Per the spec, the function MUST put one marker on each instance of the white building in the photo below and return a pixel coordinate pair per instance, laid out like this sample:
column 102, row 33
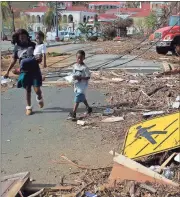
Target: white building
column 70, row 17
column 105, row 5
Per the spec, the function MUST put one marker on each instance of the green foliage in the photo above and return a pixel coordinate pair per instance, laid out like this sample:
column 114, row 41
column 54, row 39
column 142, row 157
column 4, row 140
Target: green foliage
column 108, row 31
column 123, row 23
column 7, row 12
column 85, row 29
column 48, row 19
column 151, row 21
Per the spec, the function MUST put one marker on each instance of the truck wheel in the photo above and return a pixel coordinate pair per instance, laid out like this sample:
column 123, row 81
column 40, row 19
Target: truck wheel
column 162, row 50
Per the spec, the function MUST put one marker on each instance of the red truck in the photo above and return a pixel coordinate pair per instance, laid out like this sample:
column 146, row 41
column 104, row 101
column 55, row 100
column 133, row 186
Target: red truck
column 167, row 38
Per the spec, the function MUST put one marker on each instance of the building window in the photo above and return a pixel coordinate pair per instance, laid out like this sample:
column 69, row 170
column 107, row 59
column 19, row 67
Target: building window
column 84, row 19
column 70, row 19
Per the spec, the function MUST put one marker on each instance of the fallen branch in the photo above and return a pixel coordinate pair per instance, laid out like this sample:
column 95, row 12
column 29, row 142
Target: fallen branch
column 74, row 164
column 147, row 187
column 155, row 90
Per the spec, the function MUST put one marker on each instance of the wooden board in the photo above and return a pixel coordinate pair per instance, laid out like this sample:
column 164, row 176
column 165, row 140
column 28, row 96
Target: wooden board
column 127, row 169
column 12, row 184
column 153, row 136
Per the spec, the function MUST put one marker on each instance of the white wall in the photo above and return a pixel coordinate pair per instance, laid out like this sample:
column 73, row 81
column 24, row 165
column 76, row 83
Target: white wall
column 78, row 16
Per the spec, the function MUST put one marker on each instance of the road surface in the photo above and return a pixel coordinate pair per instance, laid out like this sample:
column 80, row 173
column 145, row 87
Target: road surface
column 32, row 143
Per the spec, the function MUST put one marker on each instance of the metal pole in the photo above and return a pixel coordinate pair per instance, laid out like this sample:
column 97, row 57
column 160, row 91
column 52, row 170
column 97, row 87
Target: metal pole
column 57, row 38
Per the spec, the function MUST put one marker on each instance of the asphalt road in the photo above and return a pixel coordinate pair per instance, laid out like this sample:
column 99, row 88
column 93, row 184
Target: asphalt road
column 31, row 143
column 93, row 61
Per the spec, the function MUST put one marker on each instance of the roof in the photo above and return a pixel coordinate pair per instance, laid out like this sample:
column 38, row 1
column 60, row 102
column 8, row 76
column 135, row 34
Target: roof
column 80, row 8
column 142, row 14
column 123, row 10
column 105, row 17
column 106, row 3
column 38, row 9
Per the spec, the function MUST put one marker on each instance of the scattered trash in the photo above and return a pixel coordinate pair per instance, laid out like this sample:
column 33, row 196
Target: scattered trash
column 177, row 157
column 88, row 194
column 153, row 113
column 178, row 98
column 113, row 119
column 175, row 105
column 154, row 168
column 81, row 122
column 69, row 78
column 168, row 173
column 117, row 79
column 133, row 81
column 5, row 80
column 108, row 111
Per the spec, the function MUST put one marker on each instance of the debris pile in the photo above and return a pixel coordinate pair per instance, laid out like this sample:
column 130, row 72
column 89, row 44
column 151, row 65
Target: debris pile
column 132, row 47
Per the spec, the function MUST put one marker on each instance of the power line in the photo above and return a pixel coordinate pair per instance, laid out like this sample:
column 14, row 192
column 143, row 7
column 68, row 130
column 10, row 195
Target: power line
column 137, row 46
column 143, row 51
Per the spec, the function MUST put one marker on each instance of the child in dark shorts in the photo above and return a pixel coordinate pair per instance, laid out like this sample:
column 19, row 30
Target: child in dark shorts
column 30, row 73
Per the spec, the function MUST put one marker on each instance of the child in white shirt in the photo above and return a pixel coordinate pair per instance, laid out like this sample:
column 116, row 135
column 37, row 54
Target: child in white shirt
column 81, row 74
column 40, row 49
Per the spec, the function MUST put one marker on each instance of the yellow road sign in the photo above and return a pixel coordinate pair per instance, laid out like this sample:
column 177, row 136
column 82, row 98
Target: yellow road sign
column 153, row 136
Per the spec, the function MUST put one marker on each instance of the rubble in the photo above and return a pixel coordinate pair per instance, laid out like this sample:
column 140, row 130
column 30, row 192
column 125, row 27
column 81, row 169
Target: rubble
column 113, row 119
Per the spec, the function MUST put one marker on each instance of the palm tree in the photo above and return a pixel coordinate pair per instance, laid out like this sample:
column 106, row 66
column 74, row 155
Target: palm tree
column 85, row 29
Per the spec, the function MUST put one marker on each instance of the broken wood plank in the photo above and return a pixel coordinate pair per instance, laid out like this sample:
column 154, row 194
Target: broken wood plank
column 60, row 187
column 133, row 165
column 148, row 187
column 166, row 162
column 12, row 184
column 74, row 164
column 112, row 119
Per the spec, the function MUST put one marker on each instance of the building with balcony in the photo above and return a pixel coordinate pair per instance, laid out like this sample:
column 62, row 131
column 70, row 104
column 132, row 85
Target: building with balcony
column 69, row 16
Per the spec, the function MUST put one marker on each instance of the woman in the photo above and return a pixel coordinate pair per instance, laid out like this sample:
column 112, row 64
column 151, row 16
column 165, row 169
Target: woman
column 30, row 74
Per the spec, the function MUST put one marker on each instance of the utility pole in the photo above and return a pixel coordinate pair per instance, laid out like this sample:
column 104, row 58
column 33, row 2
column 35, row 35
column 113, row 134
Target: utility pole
column 57, row 38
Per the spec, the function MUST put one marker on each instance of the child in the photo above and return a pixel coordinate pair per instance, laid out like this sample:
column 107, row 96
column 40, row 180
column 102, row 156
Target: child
column 81, row 74
column 40, row 49
column 30, row 73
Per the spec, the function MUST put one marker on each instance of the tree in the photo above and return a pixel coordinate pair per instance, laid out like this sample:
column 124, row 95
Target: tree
column 132, row 4
column 7, row 11
column 49, row 19
column 122, row 25
column 108, row 30
column 139, row 24
column 151, row 21
column 86, row 29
